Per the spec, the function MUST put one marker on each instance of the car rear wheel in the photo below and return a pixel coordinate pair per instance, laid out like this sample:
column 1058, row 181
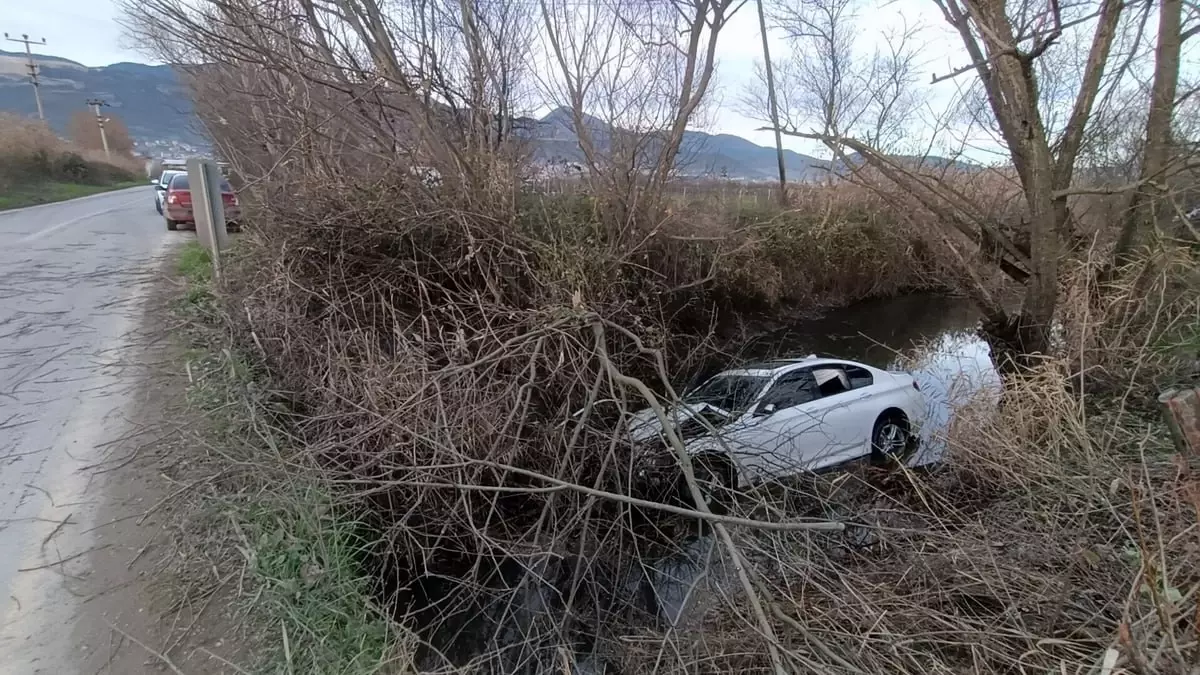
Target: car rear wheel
column 172, row 225
column 891, row 439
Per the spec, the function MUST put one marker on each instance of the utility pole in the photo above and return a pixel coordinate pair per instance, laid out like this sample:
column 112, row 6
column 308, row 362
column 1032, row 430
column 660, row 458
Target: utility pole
column 100, row 120
column 33, row 68
column 762, row 25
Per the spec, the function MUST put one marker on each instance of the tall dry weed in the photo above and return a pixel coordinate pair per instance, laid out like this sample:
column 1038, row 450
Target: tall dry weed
column 21, row 137
column 1134, row 331
column 1060, row 532
column 30, row 152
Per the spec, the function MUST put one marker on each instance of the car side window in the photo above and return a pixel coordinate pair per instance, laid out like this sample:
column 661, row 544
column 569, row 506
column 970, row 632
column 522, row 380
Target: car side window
column 858, row 377
column 790, row 390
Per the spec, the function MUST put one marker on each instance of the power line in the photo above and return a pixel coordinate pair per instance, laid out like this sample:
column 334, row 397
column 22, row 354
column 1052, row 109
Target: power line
column 33, row 68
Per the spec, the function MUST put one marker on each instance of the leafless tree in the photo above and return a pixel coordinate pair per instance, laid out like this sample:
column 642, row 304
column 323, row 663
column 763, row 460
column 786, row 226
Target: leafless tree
column 1157, row 151
column 436, row 82
column 633, row 76
column 768, row 70
column 1040, row 115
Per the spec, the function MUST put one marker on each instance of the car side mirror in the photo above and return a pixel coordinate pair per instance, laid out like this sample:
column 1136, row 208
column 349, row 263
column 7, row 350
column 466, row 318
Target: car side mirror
column 765, row 410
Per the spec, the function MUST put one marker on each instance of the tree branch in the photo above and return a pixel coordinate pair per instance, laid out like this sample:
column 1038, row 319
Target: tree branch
column 983, row 63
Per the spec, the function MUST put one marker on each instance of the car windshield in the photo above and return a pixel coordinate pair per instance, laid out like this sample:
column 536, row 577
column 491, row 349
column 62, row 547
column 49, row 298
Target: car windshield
column 729, row 392
column 180, row 182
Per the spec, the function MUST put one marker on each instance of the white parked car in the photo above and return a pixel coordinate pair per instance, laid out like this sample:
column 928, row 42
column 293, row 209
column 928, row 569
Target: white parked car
column 780, row 418
column 160, row 188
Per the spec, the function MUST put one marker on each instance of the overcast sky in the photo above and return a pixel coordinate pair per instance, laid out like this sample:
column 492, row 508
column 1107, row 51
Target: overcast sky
column 86, row 31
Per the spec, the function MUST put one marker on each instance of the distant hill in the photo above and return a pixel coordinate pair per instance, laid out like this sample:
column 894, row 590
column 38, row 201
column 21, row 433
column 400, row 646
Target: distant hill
column 931, row 164
column 701, row 153
column 148, row 99
column 156, row 108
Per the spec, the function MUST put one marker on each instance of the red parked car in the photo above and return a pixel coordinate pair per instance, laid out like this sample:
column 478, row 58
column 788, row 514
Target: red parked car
column 177, row 204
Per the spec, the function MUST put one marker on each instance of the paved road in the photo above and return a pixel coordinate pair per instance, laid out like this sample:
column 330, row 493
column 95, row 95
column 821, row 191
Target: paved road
column 72, row 278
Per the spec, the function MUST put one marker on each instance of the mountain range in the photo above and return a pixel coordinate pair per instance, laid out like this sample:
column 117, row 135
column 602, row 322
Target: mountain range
column 155, row 107
column 148, row 99
column 700, row 154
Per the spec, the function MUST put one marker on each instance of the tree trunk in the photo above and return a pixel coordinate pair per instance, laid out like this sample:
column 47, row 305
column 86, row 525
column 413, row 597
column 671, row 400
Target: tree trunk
column 1157, row 151
column 771, row 101
column 1025, row 136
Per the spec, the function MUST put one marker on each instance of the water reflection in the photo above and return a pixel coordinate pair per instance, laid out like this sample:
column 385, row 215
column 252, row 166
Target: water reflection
column 952, row 370
column 875, row 332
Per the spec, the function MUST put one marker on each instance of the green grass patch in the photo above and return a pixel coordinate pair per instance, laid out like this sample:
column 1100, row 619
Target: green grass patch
column 307, row 597
column 195, row 264
column 306, row 557
column 196, row 268
column 46, row 193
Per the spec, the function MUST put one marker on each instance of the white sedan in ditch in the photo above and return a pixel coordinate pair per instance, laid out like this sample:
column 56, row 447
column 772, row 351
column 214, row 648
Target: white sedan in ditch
column 781, row 418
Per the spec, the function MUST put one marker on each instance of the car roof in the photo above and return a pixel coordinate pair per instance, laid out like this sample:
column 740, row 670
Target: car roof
column 779, row 366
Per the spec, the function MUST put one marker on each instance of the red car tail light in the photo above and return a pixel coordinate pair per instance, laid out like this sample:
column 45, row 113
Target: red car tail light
column 229, row 199
column 179, row 197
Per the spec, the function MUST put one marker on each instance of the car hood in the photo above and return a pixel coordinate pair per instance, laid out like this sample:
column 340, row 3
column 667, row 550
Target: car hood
column 644, row 425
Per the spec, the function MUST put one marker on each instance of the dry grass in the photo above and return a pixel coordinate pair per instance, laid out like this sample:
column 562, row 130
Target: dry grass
column 1059, row 534
column 433, row 357
column 32, row 155
column 1133, row 336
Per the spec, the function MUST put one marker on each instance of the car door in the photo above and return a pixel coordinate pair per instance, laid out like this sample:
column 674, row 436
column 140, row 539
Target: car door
column 765, row 441
column 844, row 407
column 820, row 427
column 160, row 188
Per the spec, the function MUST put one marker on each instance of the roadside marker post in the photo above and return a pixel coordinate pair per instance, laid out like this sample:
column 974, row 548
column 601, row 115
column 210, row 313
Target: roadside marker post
column 205, row 178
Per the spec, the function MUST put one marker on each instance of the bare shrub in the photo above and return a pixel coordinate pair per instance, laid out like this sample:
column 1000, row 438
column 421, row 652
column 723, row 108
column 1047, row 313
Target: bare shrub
column 31, row 152
column 1055, row 535
column 459, row 354
column 25, row 137
column 436, row 372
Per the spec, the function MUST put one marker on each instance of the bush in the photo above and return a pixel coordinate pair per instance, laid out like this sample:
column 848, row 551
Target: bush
column 437, row 343
column 30, row 154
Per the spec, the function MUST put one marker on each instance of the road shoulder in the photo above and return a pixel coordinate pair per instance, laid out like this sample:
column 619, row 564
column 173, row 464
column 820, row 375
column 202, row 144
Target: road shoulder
column 142, row 610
